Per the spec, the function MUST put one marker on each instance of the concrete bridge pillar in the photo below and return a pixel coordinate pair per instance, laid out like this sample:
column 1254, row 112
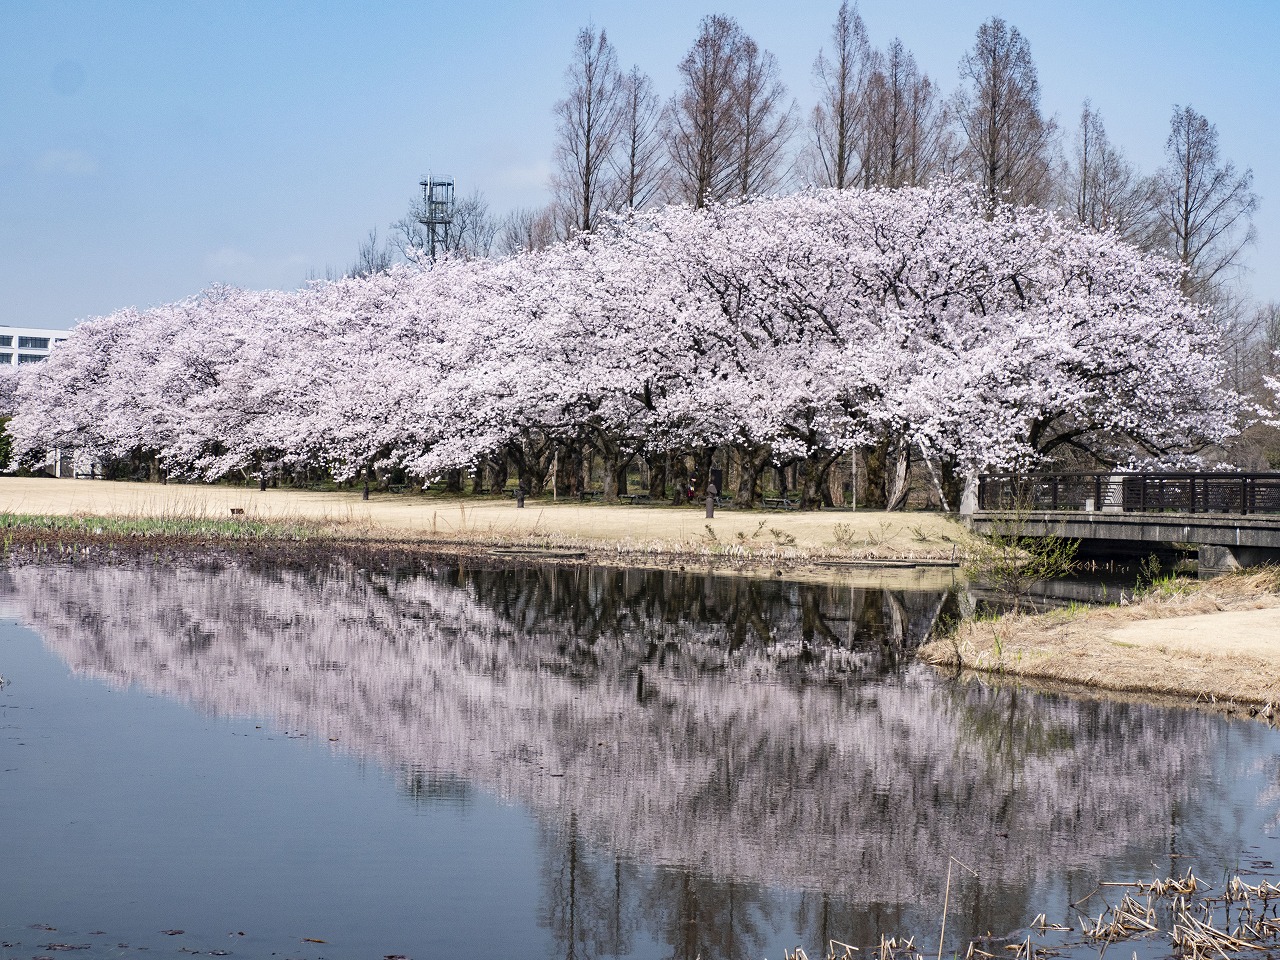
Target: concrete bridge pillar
column 1213, row 560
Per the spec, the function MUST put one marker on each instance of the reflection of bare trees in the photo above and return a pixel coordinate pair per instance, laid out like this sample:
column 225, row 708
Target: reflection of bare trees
column 737, row 734
column 588, row 901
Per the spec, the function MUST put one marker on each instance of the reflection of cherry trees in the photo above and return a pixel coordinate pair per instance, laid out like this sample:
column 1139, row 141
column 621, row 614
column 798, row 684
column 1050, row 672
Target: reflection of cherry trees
column 668, row 719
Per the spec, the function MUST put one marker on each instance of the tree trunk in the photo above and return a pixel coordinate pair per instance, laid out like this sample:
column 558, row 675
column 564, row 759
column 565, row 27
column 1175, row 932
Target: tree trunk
column 899, row 478
column 496, row 468
column 611, row 466
column 813, row 472
column 873, row 475
column 657, row 476
column 702, row 472
column 780, row 478
column 680, row 477
column 751, row 464
column 570, row 470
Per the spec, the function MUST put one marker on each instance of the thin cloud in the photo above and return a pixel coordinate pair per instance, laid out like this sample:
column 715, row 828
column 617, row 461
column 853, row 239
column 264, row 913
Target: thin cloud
column 74, row 163
column 229, row 259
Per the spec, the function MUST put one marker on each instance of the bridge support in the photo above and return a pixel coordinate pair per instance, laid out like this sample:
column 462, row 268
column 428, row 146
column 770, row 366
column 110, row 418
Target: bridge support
column 1213, row 560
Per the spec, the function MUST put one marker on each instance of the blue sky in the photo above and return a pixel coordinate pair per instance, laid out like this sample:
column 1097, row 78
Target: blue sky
column 148, row 149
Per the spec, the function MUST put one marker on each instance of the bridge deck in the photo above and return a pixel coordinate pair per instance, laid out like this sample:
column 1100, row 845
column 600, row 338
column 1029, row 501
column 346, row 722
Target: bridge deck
column 1156, row 528
column 1233, row 519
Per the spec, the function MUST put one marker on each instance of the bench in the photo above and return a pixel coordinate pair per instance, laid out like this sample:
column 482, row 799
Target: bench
column 781, row 503
column 634, row 498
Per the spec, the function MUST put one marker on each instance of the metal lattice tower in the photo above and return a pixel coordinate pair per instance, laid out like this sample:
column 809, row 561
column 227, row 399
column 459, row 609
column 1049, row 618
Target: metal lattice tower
column 437, row 212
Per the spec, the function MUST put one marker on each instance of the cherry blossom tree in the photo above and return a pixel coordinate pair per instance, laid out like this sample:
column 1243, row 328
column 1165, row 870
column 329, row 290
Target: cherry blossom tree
column 918, row 323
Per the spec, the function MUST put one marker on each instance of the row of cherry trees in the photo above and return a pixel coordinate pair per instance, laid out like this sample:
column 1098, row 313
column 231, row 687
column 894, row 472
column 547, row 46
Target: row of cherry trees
column 908, row 325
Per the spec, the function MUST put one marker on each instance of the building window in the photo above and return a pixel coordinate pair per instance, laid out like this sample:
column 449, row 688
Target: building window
column 6, row 358
column 6, row 341
column 58, row 340
column 33, row 343
column 30, row 357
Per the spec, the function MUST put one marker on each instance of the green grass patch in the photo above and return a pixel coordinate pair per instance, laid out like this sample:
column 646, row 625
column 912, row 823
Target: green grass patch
column 232, row 528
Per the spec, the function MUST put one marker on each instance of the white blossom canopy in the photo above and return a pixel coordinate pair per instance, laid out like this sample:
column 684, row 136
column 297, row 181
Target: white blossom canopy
column 797, row 325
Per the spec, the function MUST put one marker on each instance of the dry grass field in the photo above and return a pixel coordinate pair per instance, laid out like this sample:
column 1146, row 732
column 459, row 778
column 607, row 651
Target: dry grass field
column 624, row 528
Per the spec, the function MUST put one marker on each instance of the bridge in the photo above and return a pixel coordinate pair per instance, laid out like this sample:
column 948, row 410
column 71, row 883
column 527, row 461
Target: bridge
column 1231, row 520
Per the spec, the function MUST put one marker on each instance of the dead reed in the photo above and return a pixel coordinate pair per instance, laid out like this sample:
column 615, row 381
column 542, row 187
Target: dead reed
column 1241, row 919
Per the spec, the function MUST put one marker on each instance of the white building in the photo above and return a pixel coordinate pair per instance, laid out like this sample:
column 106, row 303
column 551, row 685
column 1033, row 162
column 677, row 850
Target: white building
column 20, row 345
column 28, row 344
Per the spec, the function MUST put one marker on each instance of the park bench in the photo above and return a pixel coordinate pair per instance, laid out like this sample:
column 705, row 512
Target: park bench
column 634, row 498
column 781, row 503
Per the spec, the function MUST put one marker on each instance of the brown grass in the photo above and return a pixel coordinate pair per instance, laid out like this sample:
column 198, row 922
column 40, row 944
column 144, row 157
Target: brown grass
column 622, row 532
column 1211, row 640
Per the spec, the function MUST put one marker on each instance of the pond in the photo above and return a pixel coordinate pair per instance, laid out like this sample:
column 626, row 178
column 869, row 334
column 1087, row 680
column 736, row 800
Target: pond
column 439, row 759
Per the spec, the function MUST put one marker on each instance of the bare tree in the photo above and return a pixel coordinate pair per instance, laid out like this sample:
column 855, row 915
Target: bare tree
column 765, row 122
column 702, row 127
column 727, row 128
column 1102, row 189
column 371, row 257
column 1009, row 143
column 905, row 121
column 526, row 230
column 588, row 123
column 835, row 122
column 474, row 227
column 1250, row 345
column 639, row 160
column 1207, row 205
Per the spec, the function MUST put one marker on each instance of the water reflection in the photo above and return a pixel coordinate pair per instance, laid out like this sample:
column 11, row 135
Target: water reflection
column 712, row 758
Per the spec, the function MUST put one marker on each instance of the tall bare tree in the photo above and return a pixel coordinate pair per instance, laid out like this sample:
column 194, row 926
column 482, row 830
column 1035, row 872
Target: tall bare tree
column 702, row 120
column 639, row 162
column 905, row 121
column 1207, row 205
column 1008, row 143
column 765, row 121
column 729, row 124
column 1105, row 191
column 836, row 121
column 588, row 123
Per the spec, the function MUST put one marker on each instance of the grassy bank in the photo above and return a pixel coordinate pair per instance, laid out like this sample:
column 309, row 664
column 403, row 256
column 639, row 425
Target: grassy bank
column 1215, row 640
column 41, row 510
column 32, row 527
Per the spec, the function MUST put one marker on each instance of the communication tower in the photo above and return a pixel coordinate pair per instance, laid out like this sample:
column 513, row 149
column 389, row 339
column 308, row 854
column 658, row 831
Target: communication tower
column 437, row 212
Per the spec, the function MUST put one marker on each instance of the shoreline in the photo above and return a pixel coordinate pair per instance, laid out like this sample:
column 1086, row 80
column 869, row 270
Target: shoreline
column 1214, row 642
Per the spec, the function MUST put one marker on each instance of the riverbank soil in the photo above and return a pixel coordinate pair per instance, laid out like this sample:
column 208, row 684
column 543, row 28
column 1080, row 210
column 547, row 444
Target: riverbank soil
column 1212, row 640
column 618, row 528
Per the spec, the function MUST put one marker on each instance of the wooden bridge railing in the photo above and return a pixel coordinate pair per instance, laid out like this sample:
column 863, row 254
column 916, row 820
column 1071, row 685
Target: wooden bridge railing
column 1229, row 493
